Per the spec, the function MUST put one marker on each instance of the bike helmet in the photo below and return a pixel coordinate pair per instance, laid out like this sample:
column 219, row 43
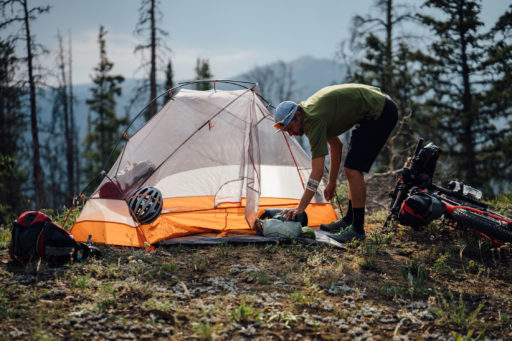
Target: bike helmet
column 145, row 205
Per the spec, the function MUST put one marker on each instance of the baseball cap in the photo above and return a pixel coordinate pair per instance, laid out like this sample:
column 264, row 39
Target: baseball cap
column 285, row 112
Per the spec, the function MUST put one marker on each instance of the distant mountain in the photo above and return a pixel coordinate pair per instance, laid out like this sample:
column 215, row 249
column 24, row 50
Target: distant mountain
column 309, row 75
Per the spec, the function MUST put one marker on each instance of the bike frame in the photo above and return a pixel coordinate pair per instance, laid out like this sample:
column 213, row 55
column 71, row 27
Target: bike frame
column 449, row 198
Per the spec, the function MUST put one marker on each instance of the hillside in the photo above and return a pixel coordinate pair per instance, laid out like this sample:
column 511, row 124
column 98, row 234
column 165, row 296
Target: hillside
column 400, row 284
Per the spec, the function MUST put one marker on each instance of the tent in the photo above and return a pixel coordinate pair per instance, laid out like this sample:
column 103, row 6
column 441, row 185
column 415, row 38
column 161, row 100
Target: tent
column 217, row 160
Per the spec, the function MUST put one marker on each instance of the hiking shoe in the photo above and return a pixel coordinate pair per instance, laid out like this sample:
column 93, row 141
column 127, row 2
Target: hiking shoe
column 334, row 227
column 347, row 235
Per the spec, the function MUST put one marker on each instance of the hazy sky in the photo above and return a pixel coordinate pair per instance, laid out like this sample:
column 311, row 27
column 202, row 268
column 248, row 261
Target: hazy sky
column 235, row 35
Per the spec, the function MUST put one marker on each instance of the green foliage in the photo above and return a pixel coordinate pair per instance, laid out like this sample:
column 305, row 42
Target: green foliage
column 5, row 237
column 384, row 58
column 163, row 270
column 204, row 331
column 502, row 204
column 460, row 119
column 441, row 268
column 81, row 282
column 388, row 290
column 104, row 126
column 199, row 263
column 469, row 336
column 224, row 249
column 12, row 124
column 474, row 267
column 65, row 217
column 4, row 307
column 455, row 312
column 261, row 276
column 169, row 81
column 245, row 313
column 165, row 306
column 416, row 276
column 269, row 249
column 369, row 252
column 203, row 73
column 109, row 301
column 309, row 296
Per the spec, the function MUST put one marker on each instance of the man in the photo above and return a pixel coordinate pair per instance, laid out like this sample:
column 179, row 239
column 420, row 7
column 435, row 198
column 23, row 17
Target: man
column 323, row 117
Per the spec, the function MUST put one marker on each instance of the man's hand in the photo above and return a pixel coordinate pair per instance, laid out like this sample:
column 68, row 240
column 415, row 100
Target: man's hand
column 291, row 213
column 329, row 191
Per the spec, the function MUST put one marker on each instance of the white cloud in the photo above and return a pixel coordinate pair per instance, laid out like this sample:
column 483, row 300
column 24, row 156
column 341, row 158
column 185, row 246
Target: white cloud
column 224, row 63
column 119, row 50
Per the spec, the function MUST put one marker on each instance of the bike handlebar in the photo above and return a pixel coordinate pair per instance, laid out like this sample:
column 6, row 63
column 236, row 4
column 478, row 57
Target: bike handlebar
column 458, row 196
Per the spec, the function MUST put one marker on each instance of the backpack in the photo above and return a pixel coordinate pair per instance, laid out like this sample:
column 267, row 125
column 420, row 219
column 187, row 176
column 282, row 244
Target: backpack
column 35, row 236
column 419, row 209
column 425, row 161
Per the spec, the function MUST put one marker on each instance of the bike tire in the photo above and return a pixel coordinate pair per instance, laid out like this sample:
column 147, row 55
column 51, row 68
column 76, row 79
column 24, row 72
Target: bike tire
column 487, row 225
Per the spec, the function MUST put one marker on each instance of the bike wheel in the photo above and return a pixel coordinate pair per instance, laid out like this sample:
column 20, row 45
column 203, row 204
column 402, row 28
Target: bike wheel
column 490, row 227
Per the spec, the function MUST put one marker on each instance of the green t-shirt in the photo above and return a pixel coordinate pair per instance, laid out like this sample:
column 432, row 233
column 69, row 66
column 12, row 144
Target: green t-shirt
column 337, row 108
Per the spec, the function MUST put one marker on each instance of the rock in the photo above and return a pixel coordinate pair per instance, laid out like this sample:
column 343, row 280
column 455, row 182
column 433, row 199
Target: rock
column 327, row 306
column 433, row 336
column 355, row 332
column 387, row 318
column 343, row 327
column 248, row 331
column 340, row 288
column 426, row 315
column 223, row 283
column 417, row 305
column 400, row 338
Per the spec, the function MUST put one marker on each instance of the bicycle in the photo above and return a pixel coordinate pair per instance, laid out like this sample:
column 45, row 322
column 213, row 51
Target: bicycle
column 416, row 200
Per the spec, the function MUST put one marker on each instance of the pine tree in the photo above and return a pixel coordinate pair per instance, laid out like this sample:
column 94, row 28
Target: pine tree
column 67, row 122
column 451, row 74
column 203, row 73
column 497, row 103
column 388, row 63
column 169, row 80
column 22, row 14
column 76, row 149
column 149, row 17
column 12, row 124
column 104, row 126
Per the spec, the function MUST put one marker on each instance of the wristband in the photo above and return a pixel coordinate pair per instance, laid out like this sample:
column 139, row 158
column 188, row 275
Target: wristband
column 312, row 185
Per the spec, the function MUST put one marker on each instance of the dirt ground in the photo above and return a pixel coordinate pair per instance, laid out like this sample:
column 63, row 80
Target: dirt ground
column 400, row 284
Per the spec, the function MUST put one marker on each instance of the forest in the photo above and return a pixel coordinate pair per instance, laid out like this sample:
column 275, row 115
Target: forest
column 441, row 281
column 452, row 88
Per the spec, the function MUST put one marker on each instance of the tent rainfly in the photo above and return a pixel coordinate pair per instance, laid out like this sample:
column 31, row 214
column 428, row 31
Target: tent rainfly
column 217, row 160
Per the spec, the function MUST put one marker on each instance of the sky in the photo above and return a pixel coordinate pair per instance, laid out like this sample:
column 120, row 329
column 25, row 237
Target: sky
column 234, row 35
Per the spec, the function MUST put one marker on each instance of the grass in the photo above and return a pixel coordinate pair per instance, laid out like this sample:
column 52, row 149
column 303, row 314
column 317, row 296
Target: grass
column 455, row 312
column 441, row 268
column 309, row 296
column 416, row 276
column 245, row 313
column 280, row 291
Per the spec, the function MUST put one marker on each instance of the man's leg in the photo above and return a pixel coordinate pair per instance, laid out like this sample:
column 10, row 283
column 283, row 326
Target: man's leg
column 357, row 188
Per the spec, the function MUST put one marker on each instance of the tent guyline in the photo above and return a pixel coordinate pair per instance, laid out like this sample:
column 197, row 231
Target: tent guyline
column 213, row 160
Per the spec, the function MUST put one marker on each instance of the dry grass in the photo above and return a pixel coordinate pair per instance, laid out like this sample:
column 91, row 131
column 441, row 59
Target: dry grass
column 429, row 284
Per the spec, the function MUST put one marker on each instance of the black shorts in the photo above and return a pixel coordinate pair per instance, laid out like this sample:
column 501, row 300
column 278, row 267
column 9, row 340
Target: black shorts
column 368, row 138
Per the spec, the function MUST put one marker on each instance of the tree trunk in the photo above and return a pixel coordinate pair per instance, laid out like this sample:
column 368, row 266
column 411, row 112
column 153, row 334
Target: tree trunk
column 74, row 139
column 68, row 127
column 467, row 122
column 152, row 74
column 388, row 67
column 36, row 162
